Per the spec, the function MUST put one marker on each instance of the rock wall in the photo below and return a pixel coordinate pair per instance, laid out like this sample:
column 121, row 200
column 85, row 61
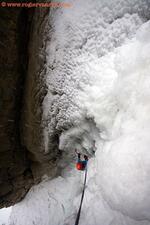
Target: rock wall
column 24, row 34
column 33, row 123
column 15, row 173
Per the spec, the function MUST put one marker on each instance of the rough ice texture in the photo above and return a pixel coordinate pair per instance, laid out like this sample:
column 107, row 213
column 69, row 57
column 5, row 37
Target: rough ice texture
column 97, row 74
column 80, row 36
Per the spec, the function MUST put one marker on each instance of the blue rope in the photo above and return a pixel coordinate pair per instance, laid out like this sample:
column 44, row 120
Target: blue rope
column 79, row 211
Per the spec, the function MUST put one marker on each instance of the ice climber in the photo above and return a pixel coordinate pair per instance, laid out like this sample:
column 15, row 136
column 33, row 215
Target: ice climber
column 81, row 164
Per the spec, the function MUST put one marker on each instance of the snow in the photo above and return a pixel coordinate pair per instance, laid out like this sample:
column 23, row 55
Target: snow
column 4, row 215
column 98, row 98
column 125, row 160
column 45, row 198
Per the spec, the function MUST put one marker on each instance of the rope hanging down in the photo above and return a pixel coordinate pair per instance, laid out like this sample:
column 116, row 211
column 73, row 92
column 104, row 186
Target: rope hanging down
column 79, row 211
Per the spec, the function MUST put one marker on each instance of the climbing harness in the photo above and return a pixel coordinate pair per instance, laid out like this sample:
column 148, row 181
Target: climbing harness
column 79, row 211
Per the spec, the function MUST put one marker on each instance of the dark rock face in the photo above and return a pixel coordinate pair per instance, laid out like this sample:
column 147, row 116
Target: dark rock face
column 24, row 34
column 33, row 123
column 15, row 173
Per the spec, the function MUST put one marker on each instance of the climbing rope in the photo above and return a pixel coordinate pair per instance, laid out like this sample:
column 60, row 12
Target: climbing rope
column 79, row 211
